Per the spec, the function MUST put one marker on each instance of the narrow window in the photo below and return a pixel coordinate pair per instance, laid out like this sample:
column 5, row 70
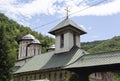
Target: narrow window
column 26, row 78
column 38, row 51
column 34, row 51
column 35, row 76
column 74, row 39
column 21, row 52
column 95, row 74
column 22, row 78
column 49, row 76
column 39, row 76
column 60, row 74
column 31, row 77
column 62, row 40
column 55, row 75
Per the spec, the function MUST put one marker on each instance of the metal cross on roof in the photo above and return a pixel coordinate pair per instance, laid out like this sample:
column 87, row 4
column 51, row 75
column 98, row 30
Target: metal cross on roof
column 67, row 11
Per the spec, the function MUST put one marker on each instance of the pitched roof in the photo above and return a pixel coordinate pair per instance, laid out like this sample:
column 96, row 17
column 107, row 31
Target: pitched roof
column 75, row 58
column 96, row 60
column 52, row 60
column 64, row 23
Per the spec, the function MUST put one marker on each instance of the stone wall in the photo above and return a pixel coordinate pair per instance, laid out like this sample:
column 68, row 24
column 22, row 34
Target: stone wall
column 59, row 75
column 102, row 76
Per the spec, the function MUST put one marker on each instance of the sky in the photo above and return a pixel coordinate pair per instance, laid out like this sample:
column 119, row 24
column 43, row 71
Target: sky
column 99, row 18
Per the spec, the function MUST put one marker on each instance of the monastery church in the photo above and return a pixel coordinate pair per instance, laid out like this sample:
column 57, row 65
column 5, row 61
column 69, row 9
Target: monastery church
column 50, row 66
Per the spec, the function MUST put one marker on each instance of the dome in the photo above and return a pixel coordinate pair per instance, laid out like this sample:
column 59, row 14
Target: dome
column 52, row 47
column 36, row 41
column 28, row 36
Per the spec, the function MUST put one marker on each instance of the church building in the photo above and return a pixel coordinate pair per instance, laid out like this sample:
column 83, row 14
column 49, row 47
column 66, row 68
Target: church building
column 50, row 65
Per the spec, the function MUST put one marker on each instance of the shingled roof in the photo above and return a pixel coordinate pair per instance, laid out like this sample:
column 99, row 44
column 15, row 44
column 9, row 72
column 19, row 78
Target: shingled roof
column 52, row 60
column 75, row 58
column 67, row 22
column 106, row 58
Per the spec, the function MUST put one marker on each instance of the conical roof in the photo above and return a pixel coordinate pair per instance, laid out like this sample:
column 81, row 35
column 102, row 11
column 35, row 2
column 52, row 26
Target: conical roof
column 64, row 23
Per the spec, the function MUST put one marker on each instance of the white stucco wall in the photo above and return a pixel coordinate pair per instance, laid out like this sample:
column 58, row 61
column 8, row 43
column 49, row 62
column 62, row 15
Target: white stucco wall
column 31, row 49
column 68, row 42
column 22, row 49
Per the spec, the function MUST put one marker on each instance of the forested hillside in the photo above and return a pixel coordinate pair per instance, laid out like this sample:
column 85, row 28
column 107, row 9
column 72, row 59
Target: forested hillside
column 112, row 44
column 15, row 32
column 10, row 33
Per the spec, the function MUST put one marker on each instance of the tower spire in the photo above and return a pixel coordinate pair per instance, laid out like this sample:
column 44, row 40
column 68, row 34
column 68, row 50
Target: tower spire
column 67, row 12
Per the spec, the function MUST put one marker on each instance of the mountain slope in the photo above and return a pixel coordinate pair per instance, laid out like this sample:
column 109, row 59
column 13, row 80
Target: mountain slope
column 16, row 31
column 108, row 45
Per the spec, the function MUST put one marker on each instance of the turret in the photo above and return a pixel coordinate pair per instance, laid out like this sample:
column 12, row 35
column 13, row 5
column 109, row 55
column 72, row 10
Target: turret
column 67, row 34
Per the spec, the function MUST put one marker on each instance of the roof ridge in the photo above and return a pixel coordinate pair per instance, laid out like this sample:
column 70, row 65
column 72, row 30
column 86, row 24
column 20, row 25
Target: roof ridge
column 64, row 23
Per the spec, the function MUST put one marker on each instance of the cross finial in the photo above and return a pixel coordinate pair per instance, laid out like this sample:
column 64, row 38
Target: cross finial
column 67, row 11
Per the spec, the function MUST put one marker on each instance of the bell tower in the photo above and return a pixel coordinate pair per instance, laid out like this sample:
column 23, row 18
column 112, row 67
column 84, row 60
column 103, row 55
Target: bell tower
column 29, row 46
column 67, row 34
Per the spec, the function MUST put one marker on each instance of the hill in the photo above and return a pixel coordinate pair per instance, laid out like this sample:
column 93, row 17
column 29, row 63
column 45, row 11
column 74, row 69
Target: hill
column 16, row 31
column 112, row 44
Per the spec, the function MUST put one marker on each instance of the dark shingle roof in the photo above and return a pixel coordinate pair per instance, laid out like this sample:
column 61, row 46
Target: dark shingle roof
column 64, row 23
column 75, row 58
column 52, row 60
column 97, row 60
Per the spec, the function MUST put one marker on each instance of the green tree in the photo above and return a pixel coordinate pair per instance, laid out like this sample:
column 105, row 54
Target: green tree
column 5, row 63
column 72, row 77
column 117, row 76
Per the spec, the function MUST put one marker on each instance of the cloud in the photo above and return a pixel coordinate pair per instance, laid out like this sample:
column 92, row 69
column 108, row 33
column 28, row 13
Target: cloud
column 23, row 11
column 109, row 8
column 89, row 28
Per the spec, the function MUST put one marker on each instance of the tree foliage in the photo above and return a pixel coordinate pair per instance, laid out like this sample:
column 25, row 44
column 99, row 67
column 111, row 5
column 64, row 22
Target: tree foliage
column 72, row 77
column 16, row 31
column 107, row 45
column 10, row 33
column 5, row 55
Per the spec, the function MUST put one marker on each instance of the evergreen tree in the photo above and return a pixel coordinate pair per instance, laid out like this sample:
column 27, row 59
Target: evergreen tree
column 5, row 63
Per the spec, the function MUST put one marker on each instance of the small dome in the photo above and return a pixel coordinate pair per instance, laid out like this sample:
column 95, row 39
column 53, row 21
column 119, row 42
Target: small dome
column 36, row 41
column 52, row 47
column 28, row 36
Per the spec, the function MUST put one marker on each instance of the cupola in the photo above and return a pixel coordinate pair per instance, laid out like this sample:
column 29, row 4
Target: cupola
column 67, row 34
